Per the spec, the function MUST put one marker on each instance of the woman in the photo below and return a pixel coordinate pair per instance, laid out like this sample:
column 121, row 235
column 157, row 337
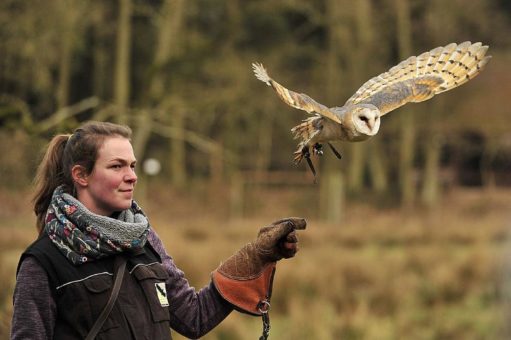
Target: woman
column 99, row 270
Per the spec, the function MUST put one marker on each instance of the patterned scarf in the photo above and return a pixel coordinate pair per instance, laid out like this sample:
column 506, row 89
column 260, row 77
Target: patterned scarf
column 83, row 236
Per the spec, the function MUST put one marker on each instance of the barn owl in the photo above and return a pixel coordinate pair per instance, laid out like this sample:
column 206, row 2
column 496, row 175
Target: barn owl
column 415, row 79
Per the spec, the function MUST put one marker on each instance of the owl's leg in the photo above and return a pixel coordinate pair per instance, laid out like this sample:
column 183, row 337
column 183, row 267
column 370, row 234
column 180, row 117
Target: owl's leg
column 336, row 153
column 311, row 166
column 301, row 153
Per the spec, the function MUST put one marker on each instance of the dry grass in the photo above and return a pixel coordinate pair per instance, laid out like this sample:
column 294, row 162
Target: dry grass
column 381, row 274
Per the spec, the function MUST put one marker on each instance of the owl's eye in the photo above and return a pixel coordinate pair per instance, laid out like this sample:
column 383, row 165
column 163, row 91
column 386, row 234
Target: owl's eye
column 364, row 119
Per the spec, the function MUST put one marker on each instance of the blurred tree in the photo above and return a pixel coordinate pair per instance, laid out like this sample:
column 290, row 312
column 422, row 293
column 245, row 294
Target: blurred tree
column 122, row 63
column 69, row 18
column 28, row 56
column 438, row 25
column 362, row 67
column 169, row 30
column 358, row 60
column 407, row 138
column 332, row 188
column 72, row 22
column 186, row 66
column 102, row 32
column 446, row 22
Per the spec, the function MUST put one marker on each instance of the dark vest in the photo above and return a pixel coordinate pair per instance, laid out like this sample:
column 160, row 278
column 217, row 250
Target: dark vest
column 81, row 292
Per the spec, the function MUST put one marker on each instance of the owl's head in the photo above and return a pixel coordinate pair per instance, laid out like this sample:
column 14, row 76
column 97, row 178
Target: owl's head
column 365, row 120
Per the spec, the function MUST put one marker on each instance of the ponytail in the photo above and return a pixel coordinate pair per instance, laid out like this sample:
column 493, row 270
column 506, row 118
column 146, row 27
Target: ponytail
column 50, row 174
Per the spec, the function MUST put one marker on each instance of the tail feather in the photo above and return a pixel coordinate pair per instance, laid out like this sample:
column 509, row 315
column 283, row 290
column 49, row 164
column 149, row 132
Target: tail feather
column 307, row 130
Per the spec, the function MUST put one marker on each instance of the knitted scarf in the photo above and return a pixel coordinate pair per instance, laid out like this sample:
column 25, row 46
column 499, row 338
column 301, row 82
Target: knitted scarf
column 83, row 236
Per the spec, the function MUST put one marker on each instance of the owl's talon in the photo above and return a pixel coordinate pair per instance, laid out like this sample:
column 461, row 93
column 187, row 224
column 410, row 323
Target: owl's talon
column 317, row 149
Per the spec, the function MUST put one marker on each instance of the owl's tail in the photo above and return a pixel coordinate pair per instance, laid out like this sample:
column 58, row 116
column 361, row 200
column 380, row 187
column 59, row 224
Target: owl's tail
column 455, row 64
column 308, row 129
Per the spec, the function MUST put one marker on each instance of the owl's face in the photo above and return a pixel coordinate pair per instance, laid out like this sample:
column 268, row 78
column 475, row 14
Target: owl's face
column 365, row 120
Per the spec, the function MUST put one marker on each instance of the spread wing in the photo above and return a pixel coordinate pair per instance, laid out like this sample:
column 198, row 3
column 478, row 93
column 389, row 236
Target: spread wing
column 297, row 100
column 417, row 79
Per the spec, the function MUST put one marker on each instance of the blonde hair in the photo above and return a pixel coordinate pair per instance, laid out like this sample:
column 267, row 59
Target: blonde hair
column 63, row 152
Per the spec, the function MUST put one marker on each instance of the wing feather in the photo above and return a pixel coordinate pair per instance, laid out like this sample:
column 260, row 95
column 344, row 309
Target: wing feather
column 299, row 101
column 420, row 78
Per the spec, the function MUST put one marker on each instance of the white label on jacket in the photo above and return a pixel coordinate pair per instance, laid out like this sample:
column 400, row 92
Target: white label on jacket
column 161, row 292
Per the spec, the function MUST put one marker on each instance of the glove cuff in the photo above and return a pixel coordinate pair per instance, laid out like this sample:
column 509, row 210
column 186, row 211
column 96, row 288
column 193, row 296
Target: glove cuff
column 247, row 295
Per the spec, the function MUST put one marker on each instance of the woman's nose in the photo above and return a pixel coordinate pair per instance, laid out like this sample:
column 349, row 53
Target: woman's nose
column 130, row 176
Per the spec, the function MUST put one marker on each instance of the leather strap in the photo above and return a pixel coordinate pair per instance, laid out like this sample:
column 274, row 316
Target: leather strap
column 120, row 264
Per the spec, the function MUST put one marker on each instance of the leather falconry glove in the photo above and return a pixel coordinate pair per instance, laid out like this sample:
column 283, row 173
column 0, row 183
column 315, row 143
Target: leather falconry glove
column 245, row 279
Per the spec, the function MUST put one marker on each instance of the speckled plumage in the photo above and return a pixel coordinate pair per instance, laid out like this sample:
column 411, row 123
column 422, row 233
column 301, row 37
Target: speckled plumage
column 415, row 79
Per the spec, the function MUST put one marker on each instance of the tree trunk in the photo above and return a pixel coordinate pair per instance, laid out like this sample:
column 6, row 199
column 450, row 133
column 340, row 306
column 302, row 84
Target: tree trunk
column 236, row 196
column 177, row 155
column 142, row 132
column 332, row 190
column 101, row 77
column 359, row 58
column 170, row 27
column 68, row 20
column 65, row 66
column 487, row 158
column 101, row 71
column 377, row 167
column 265, row 142
column 356, row 167
column 122, row 64
column 407, row 145
column 430, row 184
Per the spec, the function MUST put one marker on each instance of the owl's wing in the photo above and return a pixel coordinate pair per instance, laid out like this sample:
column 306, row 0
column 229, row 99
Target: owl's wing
column 297, row 100
column 417, row 79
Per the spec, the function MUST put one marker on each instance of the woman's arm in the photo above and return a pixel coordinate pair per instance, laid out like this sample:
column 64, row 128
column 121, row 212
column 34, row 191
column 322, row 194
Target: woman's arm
column 34, row 307
column 192, row 313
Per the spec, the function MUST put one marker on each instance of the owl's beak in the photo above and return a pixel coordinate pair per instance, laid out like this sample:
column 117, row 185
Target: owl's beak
column 372, row 125
column 369, row 122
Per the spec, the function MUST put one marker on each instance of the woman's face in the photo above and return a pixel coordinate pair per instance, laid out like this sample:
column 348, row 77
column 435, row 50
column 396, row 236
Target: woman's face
column 109, row 187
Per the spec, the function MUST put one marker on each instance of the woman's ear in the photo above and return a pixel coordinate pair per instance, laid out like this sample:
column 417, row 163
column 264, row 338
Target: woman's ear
column 80, row 176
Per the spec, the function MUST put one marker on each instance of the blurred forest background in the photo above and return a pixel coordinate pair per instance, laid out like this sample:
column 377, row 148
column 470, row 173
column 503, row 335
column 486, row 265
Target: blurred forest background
column 408, row 234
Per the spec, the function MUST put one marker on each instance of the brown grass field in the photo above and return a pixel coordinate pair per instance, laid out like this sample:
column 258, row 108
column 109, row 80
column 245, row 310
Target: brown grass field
column 383, row 273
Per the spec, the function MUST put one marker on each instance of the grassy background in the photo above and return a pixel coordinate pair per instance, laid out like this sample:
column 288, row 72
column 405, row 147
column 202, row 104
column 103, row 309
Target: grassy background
column 383, row 273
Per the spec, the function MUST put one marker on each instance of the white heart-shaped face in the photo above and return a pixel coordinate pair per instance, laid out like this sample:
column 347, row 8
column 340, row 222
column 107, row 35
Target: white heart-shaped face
column 366, row 120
